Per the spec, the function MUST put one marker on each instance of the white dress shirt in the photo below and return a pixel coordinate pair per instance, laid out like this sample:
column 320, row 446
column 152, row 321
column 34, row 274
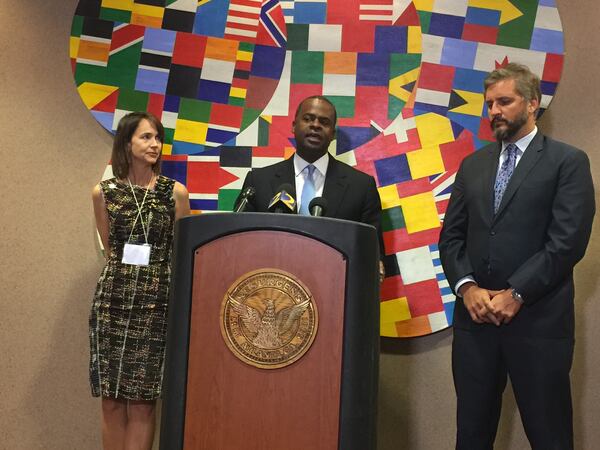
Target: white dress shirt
column 320, row 164
column 521, row 144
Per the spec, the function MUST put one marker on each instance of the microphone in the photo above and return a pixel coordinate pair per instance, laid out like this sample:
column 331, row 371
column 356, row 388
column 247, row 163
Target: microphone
column 317, row 206
column 245, row 196
column 283, row 202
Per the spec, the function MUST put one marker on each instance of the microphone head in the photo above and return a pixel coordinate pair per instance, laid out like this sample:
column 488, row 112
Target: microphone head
column 283, row 202
column 317, row 206
column 248, row 192
column 242, row 201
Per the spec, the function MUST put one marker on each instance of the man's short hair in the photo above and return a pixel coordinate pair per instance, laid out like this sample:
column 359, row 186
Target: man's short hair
column 527, row 83
column 318, row 97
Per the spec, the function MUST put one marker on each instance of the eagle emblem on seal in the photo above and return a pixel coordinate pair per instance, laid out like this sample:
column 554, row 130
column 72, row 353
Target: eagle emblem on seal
column 269, row 325
column 268, row 318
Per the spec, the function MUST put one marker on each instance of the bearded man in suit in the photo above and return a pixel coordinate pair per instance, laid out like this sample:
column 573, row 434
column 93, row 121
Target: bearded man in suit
column 519, row 219
column 350, row 194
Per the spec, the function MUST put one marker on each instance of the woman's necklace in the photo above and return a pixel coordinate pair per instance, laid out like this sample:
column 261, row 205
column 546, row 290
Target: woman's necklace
column 133, row 180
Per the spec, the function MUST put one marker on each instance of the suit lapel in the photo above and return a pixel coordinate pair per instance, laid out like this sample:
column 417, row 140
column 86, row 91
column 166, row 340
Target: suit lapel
column 335, row 187
column 285, row 174
column 488, row 178
column 527, row 162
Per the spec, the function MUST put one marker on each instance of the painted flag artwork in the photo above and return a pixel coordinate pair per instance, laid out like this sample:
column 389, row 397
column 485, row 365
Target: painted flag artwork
column 406, row 77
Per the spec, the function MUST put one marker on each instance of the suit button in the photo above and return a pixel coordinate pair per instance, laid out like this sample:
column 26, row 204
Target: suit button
column 492, row 233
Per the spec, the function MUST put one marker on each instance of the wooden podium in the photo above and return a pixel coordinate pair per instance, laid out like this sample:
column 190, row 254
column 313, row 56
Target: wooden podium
column 327, row 398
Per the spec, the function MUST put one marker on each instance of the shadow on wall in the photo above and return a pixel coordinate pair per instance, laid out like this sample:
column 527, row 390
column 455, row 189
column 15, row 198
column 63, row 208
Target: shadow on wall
column 415, row 387
column 410, row 394
column 59, row 397
column 587, row 273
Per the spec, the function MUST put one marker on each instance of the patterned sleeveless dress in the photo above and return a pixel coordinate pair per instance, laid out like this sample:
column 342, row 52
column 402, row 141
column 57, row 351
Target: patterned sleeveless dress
column 128, row 321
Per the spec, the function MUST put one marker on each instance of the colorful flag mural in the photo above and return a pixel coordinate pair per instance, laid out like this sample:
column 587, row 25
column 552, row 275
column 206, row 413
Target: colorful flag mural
column 406, row 77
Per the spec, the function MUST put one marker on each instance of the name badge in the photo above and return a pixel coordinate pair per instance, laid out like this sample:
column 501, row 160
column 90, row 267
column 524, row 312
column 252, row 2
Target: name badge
column 136, row 254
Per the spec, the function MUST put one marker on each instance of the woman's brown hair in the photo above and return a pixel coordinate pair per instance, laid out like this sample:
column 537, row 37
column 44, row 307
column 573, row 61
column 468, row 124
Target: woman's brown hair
column 121, row 153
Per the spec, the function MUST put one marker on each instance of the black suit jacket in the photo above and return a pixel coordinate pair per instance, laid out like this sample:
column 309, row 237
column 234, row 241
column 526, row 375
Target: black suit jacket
column 350, row 194
column 540, row 232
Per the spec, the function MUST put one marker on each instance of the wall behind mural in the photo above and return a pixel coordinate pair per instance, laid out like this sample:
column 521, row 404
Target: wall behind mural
column 406, row 77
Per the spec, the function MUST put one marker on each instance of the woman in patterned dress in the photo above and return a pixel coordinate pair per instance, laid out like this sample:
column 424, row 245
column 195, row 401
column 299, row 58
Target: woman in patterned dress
column 135, row 211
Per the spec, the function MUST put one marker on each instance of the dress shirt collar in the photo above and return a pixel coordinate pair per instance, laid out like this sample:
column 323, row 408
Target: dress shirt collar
column 522, row 143
column 320, row 164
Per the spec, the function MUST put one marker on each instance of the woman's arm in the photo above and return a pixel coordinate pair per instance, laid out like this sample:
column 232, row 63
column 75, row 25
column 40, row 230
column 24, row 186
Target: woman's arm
column 101, row 214
column 182, row 200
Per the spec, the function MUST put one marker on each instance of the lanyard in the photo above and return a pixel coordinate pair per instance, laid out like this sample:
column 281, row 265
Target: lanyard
column 139, row 214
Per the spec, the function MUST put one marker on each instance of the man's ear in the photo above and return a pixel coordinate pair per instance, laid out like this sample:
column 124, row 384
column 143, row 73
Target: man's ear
column 533, row 106
column 294, row 126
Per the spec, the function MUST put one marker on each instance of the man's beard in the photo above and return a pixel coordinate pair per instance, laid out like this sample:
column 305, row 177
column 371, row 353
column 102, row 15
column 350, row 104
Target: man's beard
column 511, row 128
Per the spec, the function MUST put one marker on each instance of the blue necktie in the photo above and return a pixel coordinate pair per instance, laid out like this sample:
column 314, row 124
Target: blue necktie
column 506, row 171
column 308, row 191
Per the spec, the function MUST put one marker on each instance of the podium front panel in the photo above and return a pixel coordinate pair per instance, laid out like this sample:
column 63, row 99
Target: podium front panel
column 234, row 405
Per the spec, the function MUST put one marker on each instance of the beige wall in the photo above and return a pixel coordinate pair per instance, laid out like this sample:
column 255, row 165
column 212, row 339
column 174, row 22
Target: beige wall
column 53, row 152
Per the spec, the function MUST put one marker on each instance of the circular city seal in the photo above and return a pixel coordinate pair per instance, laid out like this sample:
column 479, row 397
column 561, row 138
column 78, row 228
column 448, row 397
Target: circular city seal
column 268, row 318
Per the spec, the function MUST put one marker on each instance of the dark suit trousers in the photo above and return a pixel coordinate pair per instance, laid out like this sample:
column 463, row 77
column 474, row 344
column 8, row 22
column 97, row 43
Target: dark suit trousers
column 539, row 373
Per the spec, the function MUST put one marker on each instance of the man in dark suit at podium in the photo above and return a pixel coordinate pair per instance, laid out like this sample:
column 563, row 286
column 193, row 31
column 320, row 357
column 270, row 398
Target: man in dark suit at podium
column 518, row 221
column 313, row 172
